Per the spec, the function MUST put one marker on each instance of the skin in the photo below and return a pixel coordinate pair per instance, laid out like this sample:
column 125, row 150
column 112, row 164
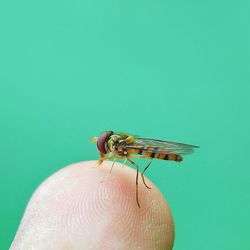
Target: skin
column 73, row 209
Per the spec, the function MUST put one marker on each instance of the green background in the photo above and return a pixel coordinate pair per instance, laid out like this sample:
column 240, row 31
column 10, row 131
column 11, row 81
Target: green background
column 173, row 70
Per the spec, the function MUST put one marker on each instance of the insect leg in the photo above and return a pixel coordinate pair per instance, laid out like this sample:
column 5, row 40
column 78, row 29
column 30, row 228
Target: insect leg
column 124, row 162
column 106, row 176
column 142, row 176
column 104, row 157
column 100, row 160
column 112, row 166
column 137, row 172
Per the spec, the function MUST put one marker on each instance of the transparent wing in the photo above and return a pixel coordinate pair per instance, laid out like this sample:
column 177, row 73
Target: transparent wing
column 164, row 147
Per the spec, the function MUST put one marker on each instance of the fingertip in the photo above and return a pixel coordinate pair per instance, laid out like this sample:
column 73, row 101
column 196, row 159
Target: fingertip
column 85, row 212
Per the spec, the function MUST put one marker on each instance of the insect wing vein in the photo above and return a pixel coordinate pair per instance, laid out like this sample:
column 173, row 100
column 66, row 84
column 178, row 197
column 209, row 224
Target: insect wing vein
column 164, row 147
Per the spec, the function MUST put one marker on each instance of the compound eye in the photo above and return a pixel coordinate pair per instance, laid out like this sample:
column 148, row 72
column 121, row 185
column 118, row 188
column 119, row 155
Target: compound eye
column 101, row 142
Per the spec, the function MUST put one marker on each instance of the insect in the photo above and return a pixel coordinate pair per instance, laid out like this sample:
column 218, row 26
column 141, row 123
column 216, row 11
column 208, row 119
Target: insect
column 113, row 146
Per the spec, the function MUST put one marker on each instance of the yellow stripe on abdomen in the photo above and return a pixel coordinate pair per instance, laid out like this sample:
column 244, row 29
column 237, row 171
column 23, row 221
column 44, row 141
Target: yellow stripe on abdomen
column 160, row 156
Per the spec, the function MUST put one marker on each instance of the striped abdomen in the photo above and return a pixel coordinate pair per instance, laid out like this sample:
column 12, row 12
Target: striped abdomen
column 156, row 155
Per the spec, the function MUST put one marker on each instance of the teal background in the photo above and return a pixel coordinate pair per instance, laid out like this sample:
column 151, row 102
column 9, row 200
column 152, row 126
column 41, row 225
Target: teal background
column 173, row 70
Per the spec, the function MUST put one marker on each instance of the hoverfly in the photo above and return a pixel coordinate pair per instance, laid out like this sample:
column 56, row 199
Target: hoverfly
column 113, row 146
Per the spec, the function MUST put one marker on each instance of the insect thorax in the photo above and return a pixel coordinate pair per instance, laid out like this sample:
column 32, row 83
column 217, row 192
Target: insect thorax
column 117, row 144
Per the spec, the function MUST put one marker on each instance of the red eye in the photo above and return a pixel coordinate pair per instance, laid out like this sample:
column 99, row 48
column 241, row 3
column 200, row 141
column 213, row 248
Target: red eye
column 102, row 141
